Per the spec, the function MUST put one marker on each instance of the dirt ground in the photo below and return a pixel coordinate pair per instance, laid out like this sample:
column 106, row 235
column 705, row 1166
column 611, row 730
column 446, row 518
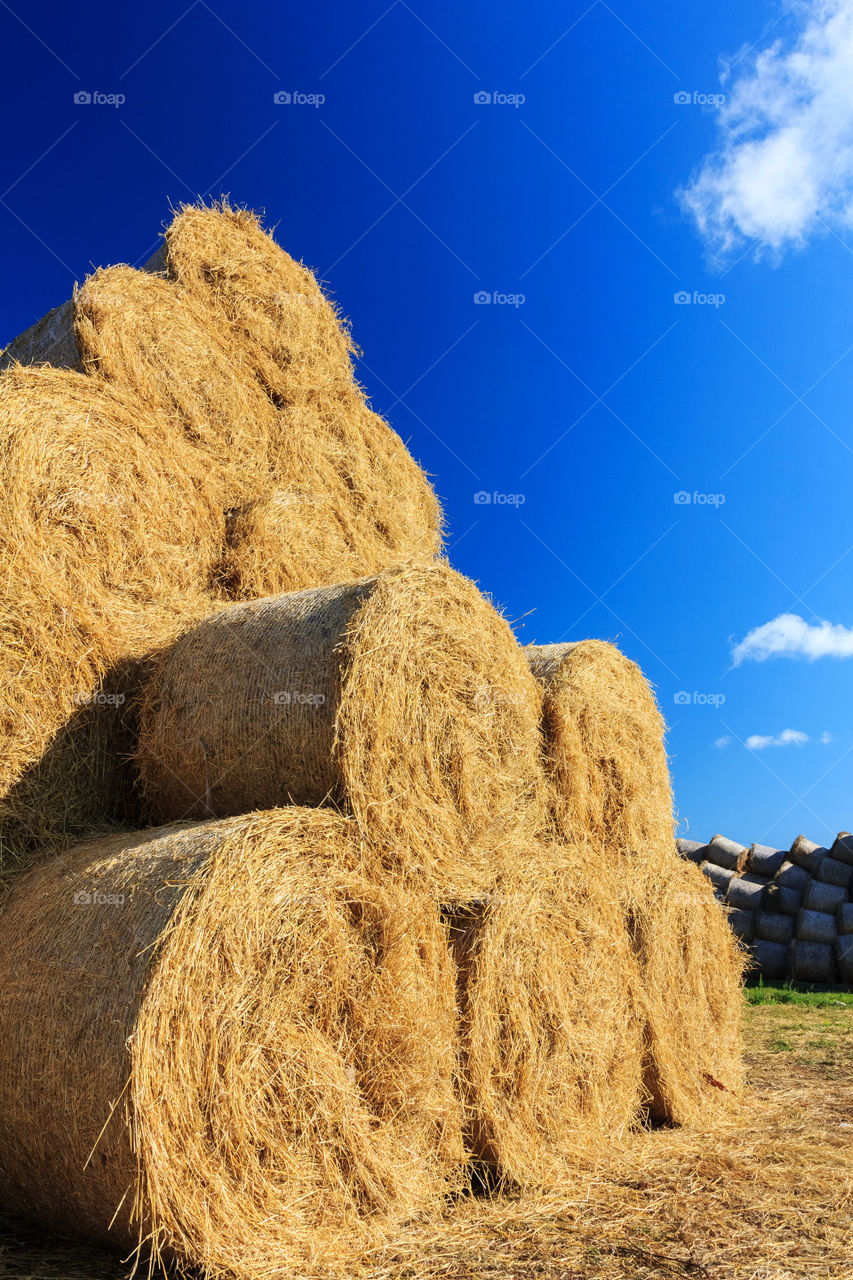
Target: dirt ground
column 766, row 1195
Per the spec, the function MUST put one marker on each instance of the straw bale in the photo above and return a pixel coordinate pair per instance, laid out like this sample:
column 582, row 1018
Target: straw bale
column 402, row 698
column 224, row 1041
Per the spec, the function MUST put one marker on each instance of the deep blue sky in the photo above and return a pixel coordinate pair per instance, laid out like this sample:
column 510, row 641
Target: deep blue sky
column 597, row 398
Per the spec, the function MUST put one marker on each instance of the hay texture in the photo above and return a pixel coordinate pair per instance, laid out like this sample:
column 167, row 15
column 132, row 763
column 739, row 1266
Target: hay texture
column 691, row 970
column 222, row 1041
column 402, row 698
column 315, row 492
column 108, row 538
column 552, row 1047
column 610, row 784
column 604, row 746
column 381, row 507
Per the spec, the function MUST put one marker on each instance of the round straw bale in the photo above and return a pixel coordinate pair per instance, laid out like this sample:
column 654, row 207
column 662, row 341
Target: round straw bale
column 346, row 500
column 691, row 969
column 403, row 698
column 604, row 744
column 790, row 876
column 222, row 1041
column 301, row 351
column 552, row 1048
column 718, row 876
column 778, row 898
column 108, row 538
column 692, row 850
column 742, row 923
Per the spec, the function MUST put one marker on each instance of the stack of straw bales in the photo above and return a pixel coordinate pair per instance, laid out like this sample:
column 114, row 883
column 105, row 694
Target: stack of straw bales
column 417, row 913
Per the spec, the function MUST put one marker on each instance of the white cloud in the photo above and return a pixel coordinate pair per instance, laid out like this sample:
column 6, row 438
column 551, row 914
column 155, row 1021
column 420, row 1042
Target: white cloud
column 790, row 636
column 787, row 738
column 720, row 743
column 784, row 169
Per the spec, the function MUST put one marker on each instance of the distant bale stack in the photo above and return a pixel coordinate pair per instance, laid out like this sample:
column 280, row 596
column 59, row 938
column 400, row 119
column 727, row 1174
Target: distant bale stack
column 402, row 698
column 223, row 1043
column 552, row 1048
column 604, row 746
column 108, row 538
column 286, row 330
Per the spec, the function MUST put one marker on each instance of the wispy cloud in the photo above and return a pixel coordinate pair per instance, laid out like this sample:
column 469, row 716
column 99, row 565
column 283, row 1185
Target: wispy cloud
column 787, row 738
column 784, row 167
column 725, row 741
column 790, row 636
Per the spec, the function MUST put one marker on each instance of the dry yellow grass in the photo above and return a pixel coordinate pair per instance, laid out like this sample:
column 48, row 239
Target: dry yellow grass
column 224, row 1041
column 403, row 698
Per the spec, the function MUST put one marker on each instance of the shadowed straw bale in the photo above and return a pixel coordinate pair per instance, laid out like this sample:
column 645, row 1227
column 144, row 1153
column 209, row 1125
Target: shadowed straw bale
column 692, row 970
column 223, row 1040
column 402, row 698
column 108, row 537
column 286, row 329
column 604, row 746
column 552, row 1049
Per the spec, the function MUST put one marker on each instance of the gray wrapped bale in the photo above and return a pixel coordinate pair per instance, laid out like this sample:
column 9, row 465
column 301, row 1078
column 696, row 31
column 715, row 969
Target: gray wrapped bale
column 742, row 924
column 765, row 861
column 807, row 854
column 790, row 876
column 779, row 899
column 843, row 948
column 816, row 926
column 774, row 926
column 770, row 958
column 692, row 850
column 811, row 962
column 727, row 853
column 844, row 916
column 719, row 876
column 842, row 850
column 746, row 892
column 824, row 897
column 834, row 871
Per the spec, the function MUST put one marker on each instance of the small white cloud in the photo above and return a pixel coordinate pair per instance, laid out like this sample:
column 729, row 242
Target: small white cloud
column 790, row 636
column 784, row 169
column 725, row 741
column 787, row 738
column 826, row 738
